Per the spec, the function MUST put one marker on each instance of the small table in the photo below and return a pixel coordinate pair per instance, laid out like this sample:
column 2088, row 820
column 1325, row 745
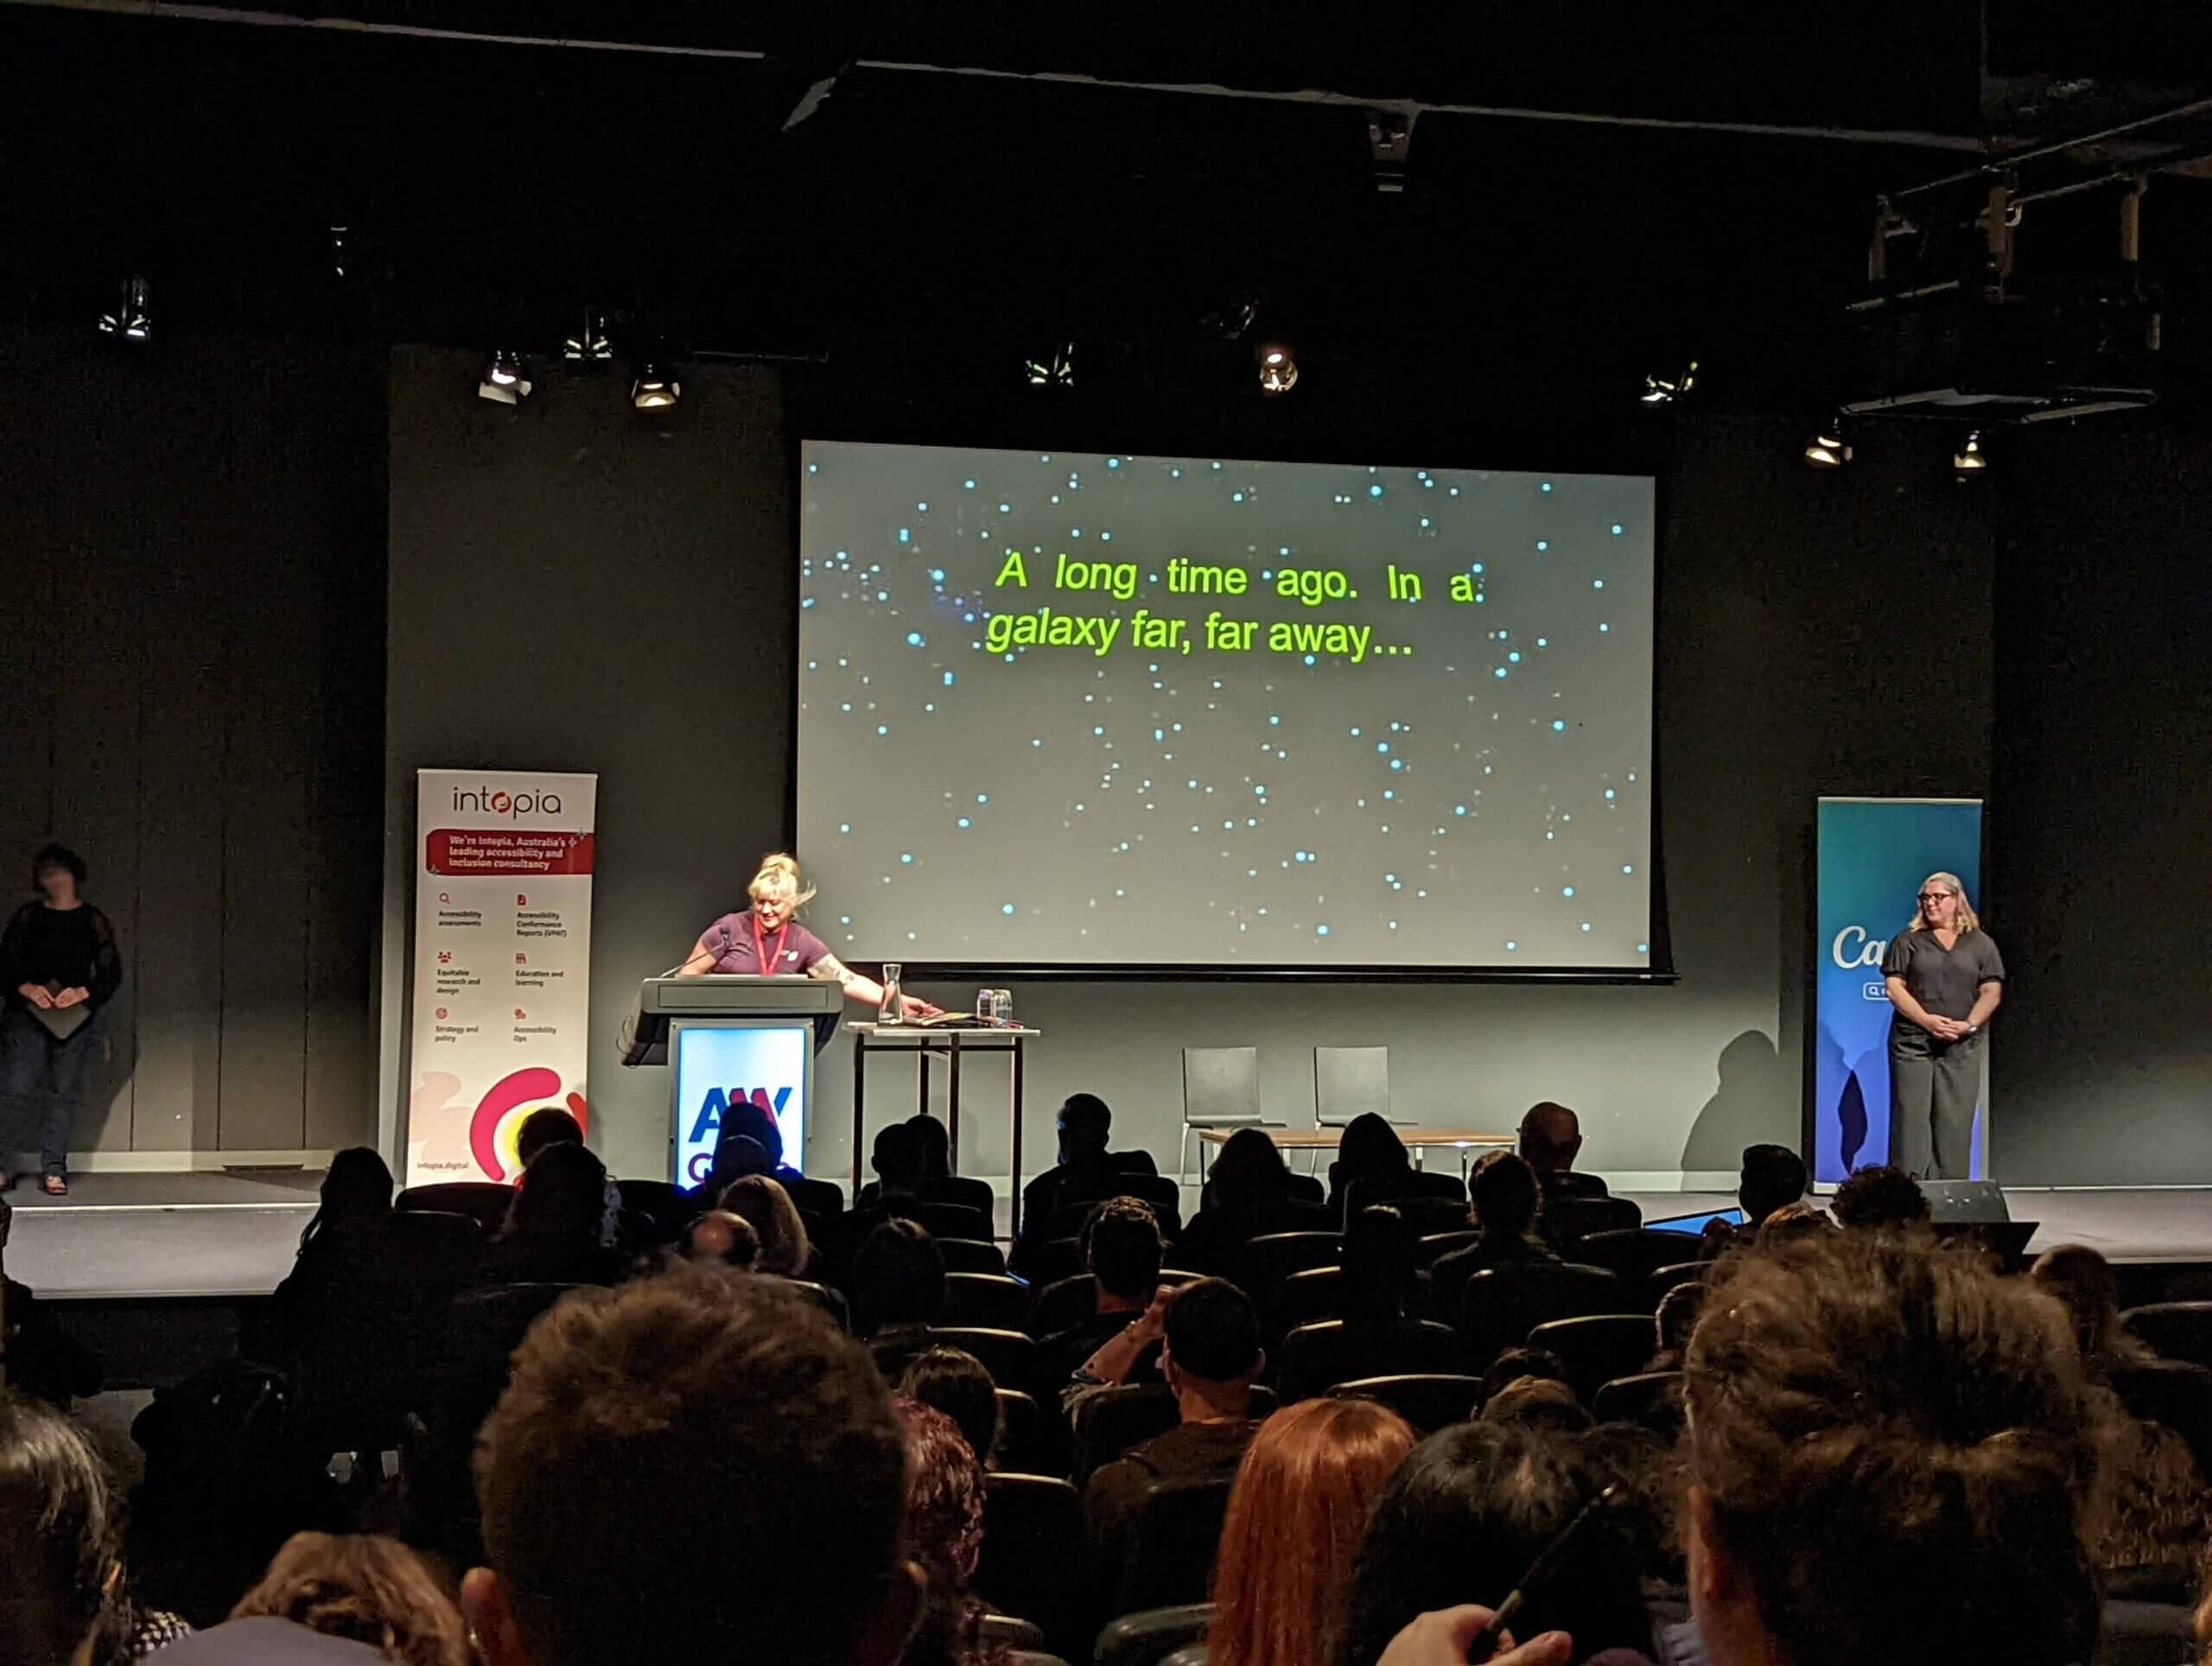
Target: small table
column 1417, row 1139
column 953, row 1043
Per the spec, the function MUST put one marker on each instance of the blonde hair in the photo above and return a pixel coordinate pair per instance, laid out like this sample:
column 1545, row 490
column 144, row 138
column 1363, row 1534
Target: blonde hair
column 763, row 1202
column 1967, row 919
column 780, row 873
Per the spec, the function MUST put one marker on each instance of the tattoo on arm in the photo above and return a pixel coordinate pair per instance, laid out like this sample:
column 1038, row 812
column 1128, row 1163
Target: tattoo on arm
column 833, row 970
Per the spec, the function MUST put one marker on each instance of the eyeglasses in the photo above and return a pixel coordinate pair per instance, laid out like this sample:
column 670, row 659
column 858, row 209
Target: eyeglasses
column 1927, row 897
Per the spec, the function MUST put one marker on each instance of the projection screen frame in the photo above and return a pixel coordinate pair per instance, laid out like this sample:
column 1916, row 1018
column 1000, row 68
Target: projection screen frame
column 1661, row 970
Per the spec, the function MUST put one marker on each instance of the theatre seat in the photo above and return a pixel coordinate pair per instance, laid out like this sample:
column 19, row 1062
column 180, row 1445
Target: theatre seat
column 1650, row 1399
column 1168, row 1554
column 991, row 1300
column 1012, row 1359
column 1031, row 1441
column 1150, row 1635
column 1429, row 1401
column 1437, row 1245
column 485, row 1202
column 1108, row 1422
column 1597, row 1348
column 1502, row 1305
column 971, row 1256
column 1316, row 1355
column 2179, row 1330
column 831, row 1302
column 1567, row 1220
column 1033, row 1563
column 1635, row 1253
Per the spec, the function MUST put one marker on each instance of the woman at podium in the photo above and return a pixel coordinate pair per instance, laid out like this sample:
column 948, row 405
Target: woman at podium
column 766, row 940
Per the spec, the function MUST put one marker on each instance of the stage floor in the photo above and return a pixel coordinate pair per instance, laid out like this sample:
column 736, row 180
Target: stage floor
column 139, row 1237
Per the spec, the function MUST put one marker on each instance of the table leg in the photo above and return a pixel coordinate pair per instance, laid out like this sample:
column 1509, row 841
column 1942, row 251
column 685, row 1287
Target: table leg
column 922, row 1079
column 860, row 1109
column 952, row 1106
column 1014, row 1142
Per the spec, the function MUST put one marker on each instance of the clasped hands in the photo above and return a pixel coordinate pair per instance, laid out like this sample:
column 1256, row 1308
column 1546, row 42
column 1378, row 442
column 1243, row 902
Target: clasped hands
column 53, row 1000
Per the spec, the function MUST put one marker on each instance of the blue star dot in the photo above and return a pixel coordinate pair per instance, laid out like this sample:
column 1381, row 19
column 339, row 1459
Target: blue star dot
column 1006, row 908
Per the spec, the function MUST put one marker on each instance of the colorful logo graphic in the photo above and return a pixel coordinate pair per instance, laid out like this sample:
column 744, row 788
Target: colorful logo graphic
column 499, row 1114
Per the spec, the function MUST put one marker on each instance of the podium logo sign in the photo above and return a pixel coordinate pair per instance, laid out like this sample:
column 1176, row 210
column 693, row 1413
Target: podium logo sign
column 764, row 1066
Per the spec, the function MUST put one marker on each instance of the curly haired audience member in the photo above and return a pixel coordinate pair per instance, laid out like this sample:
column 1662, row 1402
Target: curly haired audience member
column 371, row 1589
column 944, row 1534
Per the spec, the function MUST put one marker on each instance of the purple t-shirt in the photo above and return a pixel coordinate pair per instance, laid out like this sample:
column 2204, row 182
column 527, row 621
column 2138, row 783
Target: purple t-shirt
column 731, row 939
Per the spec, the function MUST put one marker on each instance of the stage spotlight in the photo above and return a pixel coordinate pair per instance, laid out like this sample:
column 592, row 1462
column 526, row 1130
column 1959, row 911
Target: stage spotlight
column 1665, row 390
column 1825, row 450
column 652, row 388
column 1278, row 368
column 591, row 344
column 1054, row 370
column 1970, row 458
column 133, row 317
column 503, row 380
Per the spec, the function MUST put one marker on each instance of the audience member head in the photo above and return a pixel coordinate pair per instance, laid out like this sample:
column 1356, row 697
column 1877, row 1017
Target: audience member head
column 1122, row 1249
column 1871, row 1413
column 1086, row 1128
column 357, row 1187
column 1301, row 1501
column 1878, row 1197
column 1369, row 1147
column 59, row 871
column 548, row 1125
column 731, row 1411
column 2084, row 1284
column 774, row 1217
column 954, row 1381
column 1504, row 1195
column 722, row 1237
column 1672, row 1325
column 561, row 1196
column 1795, row 1220
column 1772, row 1176
column 898, row 1277
column 898, row 1160
column 1551, row 1138
column 1381, row 1262
column 1211, row 1353
column 737, row 1156
column 364, row 1587
column 937, row 1146
column 61, row 1599
column 744, row 1119
column 1537, row 1403
column 1515, row 1363
column 1248, row 1172
column 1462, row 1520
column 944, row 1534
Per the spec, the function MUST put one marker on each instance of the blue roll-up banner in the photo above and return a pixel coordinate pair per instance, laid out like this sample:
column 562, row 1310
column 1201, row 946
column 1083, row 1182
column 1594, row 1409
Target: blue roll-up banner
column 1873, row 855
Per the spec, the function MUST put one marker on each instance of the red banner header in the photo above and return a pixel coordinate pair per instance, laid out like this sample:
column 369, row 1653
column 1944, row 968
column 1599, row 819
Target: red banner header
column 463, row 851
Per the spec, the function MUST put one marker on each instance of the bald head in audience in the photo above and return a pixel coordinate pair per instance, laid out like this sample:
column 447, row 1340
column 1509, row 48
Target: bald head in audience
column 723, row 1237
column 1551, row 1138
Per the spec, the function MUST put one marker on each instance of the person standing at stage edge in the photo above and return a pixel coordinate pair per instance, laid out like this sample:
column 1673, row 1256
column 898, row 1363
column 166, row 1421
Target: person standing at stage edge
column 766, row 940
column 1945, row 978
column 59, row 968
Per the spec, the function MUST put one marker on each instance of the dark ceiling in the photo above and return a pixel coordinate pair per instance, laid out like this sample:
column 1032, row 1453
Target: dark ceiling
column 1593, row 190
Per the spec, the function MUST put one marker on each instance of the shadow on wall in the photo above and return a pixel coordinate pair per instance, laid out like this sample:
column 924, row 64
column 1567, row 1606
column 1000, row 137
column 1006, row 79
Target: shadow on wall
column 1755, row 1103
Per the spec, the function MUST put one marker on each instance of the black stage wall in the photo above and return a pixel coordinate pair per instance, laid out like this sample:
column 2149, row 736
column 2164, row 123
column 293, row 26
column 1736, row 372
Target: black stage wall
column 2103, row 1070
column 191, row 694
column 573, row 588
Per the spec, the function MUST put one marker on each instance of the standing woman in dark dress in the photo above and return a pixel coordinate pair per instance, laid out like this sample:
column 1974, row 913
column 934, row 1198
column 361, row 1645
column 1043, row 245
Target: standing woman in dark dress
column 59, row 968
column 1945, row 978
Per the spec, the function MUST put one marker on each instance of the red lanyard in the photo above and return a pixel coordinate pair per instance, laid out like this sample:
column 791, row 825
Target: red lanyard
column 760, row 947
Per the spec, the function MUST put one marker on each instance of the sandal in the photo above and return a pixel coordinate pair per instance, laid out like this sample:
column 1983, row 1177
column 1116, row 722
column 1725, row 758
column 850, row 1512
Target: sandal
column 55, row 1187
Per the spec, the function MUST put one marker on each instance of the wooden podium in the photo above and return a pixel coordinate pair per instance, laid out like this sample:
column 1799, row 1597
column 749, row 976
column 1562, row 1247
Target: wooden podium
column 727, row 1038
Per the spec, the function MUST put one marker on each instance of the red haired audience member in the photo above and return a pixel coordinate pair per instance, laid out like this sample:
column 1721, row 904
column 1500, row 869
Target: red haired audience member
column 1295, row 1517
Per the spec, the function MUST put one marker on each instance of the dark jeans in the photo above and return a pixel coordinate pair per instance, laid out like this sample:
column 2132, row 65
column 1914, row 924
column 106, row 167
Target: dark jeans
column 47, row 1077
